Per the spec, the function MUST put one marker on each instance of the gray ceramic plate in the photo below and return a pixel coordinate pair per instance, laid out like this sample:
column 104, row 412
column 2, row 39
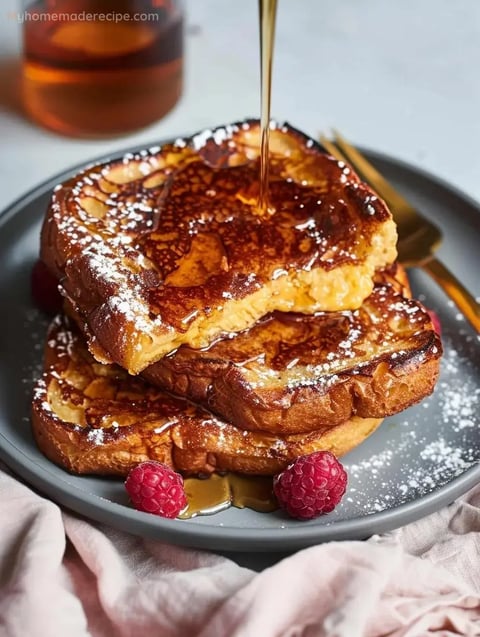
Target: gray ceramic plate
column 415, row 463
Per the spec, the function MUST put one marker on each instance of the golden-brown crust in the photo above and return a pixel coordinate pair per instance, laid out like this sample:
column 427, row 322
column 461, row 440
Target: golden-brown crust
column 168, row 246
column 94, row 418
column 188, row 446
column 296, row 374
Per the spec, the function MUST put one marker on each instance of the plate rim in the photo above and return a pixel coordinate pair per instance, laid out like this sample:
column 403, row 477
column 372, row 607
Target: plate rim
column 183, row 531
column 241, row 539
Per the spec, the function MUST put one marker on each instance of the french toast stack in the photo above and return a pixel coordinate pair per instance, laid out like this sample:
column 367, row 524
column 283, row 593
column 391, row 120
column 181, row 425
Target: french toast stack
column 211, row 335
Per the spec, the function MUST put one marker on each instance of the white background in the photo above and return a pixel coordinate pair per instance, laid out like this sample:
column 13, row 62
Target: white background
column 398, row 77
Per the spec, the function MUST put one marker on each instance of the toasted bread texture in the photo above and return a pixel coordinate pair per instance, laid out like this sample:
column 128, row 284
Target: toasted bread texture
column 92, row 418
column 168, row 246
column 293, row 373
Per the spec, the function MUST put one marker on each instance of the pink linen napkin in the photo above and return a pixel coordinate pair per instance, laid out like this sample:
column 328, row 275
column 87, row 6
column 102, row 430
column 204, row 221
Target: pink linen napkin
column 61, row 576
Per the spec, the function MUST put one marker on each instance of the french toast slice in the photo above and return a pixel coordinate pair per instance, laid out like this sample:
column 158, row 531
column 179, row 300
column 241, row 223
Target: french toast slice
column 294, row 373
column 168, row 246
column 94, row 418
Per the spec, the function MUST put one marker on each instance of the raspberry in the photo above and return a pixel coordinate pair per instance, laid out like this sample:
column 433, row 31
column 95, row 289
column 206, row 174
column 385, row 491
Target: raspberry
column 155, row 488
column 44, row 288
column 435, row 321
column 311, row 485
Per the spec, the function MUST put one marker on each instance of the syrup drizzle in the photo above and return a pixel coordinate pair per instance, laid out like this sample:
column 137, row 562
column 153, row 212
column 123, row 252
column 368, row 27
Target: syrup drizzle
column 218, row 492
column 267, row 14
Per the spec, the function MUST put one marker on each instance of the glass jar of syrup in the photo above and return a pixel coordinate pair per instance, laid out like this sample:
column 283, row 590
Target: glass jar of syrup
column 95, row 68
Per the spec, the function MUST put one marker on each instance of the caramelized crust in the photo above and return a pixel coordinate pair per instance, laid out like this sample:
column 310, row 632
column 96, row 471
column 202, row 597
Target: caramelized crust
column 168, row 246
column 94, row 418
column 293, row 373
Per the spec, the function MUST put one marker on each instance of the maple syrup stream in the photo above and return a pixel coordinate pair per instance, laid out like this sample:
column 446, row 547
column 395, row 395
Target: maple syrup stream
column 267, row 15
column 218, row 492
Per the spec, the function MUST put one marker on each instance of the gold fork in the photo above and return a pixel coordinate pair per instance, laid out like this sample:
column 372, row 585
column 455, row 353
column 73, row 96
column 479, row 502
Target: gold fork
column 418, row 238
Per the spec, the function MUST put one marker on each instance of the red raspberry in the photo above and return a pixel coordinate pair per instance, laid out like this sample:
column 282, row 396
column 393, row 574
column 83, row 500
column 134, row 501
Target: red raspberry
column 44, row 287
column 155, row 488
column 311, row 485
column 437, row 326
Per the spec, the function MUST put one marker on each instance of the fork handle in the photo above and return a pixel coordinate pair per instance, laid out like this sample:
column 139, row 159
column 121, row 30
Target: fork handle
column 465, row 302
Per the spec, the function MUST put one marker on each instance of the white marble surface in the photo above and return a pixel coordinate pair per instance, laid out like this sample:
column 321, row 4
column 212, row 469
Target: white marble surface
column 399, row 77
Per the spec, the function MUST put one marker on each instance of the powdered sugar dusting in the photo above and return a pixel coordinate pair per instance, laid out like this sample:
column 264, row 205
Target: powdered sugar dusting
column 412, row 455
column 98, row 218
column 95, row 436
column 426, row 447
column 35, row 327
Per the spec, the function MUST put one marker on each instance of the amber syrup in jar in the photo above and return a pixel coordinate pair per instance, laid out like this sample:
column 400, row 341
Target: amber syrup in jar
column 103, row 67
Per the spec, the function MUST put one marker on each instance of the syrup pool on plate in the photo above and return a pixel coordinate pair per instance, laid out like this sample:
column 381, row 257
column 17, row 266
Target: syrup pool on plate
column 218, row 492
